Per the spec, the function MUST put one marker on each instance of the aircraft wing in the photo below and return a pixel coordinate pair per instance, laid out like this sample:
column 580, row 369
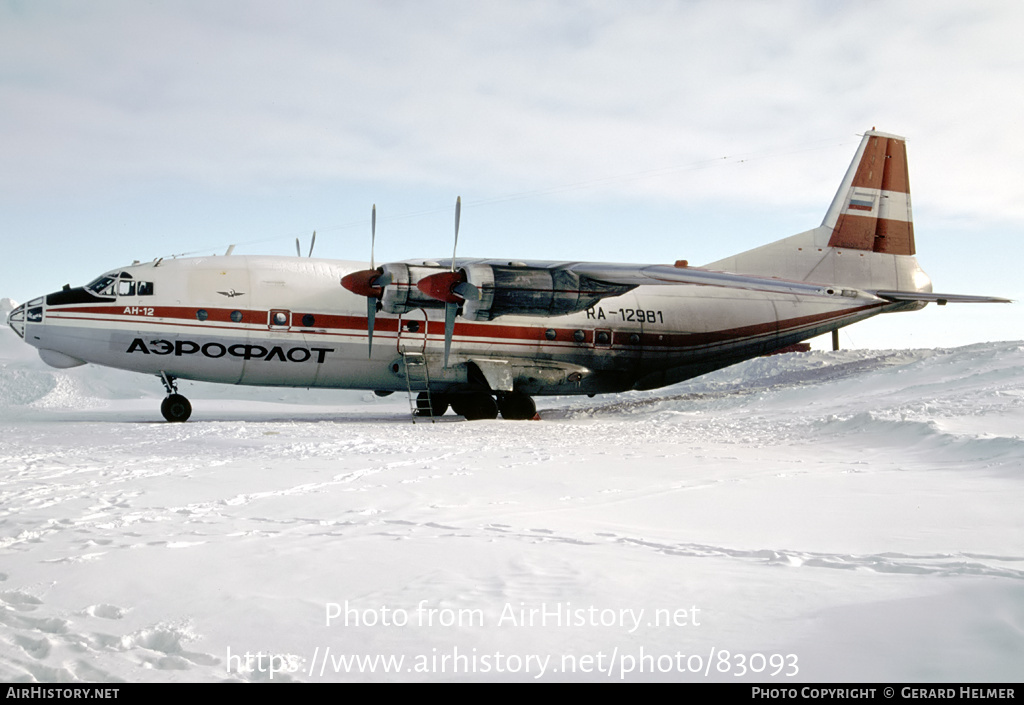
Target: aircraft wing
column 642, row 275
column 645, row 275
column 482, row 290
column 660, row 274
column 487, row 289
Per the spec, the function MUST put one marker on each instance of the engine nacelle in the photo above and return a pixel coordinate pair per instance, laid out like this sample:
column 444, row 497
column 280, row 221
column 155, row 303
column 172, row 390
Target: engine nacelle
column 531, row 291
column 401, row 294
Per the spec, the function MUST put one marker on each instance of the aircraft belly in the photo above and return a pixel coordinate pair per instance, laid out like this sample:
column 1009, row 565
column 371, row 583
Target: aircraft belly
column 723, row 328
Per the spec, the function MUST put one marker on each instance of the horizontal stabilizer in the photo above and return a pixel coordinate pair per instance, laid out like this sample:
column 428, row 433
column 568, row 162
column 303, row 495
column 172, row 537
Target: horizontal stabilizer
column 940, row 299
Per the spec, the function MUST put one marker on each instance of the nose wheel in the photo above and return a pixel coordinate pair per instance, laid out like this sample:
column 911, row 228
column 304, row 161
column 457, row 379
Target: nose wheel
column 175, row 407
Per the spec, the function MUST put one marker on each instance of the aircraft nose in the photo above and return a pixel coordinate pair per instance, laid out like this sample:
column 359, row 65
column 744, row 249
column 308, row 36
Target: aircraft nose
column 31, row 312
column 16, row 320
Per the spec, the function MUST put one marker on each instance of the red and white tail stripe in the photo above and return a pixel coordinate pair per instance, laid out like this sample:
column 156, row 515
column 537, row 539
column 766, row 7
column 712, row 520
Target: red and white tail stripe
column 872, row 210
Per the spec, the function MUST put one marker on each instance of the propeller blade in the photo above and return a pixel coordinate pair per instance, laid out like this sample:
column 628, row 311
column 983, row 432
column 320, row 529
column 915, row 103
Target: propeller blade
column 458, row 214
column 371, row 301
column 371, row 316
column 311, row 243
column 467, row 291
column 451, row 307
column 298, row 250
column 450, row 311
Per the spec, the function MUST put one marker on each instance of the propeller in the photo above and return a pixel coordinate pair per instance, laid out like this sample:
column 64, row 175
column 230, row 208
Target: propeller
column 298, row 247
column 450, row 287
column 369, row 283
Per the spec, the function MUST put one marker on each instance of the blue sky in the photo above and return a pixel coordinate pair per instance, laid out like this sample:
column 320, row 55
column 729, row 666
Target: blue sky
column 611, row 131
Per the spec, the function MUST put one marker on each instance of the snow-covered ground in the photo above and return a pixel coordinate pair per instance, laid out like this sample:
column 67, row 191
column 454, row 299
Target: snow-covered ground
column 851, row 516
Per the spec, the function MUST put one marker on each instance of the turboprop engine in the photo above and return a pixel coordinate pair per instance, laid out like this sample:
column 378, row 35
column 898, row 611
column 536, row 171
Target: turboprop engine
column 483, row 291
column 497, row 290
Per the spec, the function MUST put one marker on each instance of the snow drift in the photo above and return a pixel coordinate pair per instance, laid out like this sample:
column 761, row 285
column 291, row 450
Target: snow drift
column 847, row 516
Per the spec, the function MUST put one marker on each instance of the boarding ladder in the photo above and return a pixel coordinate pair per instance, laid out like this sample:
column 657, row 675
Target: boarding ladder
column 417, row 382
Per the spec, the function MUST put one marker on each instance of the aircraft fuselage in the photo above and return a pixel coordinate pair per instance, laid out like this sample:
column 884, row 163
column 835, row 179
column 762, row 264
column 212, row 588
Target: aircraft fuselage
column 278, row 321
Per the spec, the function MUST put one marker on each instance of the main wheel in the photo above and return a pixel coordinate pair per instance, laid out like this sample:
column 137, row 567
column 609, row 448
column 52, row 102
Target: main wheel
column 431, row 405
column 517, row 406
column 475, row 406
column 176, row 408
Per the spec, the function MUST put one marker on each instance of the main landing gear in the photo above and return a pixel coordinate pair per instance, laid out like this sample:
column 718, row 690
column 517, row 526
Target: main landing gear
column 475, row 406
column 431, row 405
column 174, row 407
column 517, row 406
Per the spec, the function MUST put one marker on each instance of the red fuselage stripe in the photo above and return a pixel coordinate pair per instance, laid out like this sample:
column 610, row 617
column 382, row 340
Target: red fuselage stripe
column 487, row 333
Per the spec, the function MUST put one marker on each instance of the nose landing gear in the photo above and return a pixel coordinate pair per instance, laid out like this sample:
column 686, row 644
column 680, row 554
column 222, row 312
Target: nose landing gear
column 175, row 407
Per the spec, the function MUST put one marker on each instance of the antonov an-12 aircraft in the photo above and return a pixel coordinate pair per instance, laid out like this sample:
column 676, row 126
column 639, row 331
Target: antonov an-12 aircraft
column 485, row 336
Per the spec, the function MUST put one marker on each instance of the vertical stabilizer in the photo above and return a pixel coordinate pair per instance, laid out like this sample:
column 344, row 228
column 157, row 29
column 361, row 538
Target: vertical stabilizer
column 867, row 238
column 871, row 211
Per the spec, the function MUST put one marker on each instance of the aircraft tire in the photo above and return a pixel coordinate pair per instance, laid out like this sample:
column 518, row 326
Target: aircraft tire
column 516, row 406
column 433, row 405
column 475, row 407
column 176, row 408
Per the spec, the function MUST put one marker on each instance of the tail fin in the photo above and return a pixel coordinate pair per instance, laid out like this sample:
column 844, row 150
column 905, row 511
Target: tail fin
column 866, row 240
column 871, row 210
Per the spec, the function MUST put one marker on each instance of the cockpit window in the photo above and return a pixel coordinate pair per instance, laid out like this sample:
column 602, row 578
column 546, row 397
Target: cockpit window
column 119, row 284
column 104, row 286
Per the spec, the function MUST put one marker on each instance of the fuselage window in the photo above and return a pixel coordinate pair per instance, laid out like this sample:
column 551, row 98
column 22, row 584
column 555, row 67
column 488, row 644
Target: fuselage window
column 126, row 287
column 202, row 315
column 236, row 316
column 145, row 289
column 280, row 318
column 308, row 320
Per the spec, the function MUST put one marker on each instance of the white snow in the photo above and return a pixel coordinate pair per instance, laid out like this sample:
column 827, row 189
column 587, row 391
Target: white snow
column 850, row 516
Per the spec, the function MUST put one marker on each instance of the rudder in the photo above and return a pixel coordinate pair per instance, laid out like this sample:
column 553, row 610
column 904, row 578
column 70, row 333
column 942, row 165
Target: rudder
column 872, row 212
